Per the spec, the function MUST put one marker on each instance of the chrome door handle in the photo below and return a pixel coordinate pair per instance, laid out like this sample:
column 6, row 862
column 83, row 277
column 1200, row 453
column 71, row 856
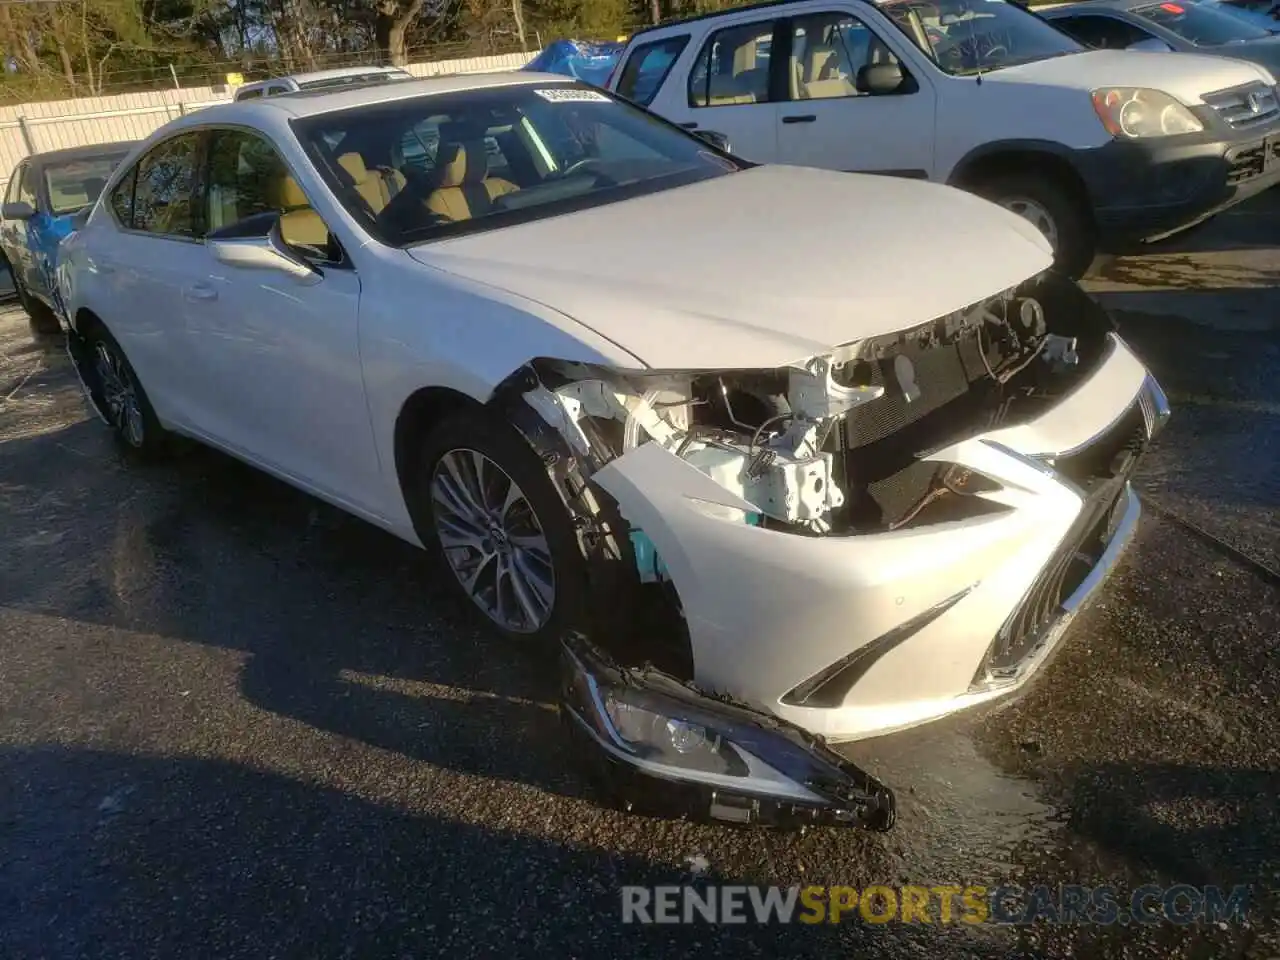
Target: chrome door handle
column 200, row 291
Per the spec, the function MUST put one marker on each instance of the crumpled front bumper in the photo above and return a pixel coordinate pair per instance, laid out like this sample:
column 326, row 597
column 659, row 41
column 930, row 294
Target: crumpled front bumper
column 910, row 621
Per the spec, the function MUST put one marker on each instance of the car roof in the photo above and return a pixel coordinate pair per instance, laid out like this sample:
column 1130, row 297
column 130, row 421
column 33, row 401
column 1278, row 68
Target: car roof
column 82, row 153
column 713, row 14
column 337, row 73
column 306, row 103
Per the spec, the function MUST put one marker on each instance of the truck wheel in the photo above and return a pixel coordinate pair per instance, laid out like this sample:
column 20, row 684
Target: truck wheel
column 1056, row 210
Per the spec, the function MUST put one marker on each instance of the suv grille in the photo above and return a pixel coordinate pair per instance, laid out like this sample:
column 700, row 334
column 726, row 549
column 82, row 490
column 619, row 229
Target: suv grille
column 1246, row 106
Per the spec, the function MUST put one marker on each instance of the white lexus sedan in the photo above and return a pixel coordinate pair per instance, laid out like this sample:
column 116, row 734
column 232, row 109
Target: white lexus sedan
column 774, row 455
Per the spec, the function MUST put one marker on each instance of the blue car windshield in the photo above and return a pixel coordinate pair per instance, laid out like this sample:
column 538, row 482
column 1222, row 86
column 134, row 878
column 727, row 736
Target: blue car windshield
column 76, row 183
column 1200, row 25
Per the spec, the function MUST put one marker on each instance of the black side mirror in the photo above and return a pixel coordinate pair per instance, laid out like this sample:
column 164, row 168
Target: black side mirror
column 715, row 138
column 18, row 210
column 880, row 78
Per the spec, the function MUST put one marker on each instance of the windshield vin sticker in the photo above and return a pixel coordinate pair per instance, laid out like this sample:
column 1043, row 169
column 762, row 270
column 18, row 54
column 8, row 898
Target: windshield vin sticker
column 571, row 95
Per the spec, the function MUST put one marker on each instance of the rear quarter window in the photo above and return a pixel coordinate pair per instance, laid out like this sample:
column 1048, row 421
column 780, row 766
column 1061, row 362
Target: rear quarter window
column 646, row 69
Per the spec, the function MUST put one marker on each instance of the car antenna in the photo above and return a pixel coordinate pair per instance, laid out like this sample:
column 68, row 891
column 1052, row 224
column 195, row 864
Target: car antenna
column 973, row 41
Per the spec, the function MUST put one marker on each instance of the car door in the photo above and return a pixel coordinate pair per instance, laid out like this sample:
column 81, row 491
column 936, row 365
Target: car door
column 833, row 120
column 275, row 358
column 142, row 255
column 730, row 89
column 19, row 233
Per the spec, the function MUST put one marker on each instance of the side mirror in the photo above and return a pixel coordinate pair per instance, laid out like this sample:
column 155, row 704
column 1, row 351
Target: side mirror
column 255, row 243
column 1151, row 45
column 18, row 210
column 880, row 78
column 717, row 139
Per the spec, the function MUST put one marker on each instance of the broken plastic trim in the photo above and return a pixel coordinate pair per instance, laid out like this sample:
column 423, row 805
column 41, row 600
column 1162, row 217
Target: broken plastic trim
column 658, row 746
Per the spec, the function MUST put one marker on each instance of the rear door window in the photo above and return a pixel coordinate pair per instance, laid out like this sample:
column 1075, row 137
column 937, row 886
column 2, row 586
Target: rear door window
column 648, row 66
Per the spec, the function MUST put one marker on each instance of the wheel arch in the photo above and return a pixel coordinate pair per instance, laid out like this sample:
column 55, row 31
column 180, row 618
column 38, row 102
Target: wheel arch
column 1001, row 158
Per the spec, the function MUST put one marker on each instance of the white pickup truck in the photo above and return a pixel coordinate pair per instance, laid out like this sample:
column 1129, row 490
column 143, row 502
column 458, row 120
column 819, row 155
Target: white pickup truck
column 1100, row 149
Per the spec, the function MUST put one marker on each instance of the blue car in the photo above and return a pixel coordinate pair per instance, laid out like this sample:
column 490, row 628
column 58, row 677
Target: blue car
column 45, row 193
column 589, row 62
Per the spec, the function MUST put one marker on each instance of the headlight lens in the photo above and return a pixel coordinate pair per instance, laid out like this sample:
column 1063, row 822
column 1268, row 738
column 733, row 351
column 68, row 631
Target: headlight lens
column 667, row 746
column 1137, row 112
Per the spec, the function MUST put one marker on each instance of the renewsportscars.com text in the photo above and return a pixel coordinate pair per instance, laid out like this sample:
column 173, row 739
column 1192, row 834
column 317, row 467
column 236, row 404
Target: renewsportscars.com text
column 936, row 904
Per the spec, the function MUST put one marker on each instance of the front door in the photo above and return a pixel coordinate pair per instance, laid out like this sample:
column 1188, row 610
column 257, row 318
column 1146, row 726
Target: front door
column 276, row 358
column 831, row 121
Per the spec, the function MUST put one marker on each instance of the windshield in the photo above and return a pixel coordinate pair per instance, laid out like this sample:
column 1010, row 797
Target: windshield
column 1259, row 20
column 974, row 36
column 76, row 183
column 1200, row 25
column 462, row 162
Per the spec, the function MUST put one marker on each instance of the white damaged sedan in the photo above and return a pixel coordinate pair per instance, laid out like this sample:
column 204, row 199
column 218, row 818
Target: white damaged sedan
column 779, row 455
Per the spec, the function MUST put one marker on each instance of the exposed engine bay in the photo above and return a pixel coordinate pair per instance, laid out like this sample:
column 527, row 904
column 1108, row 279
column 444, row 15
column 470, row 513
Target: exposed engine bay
column 833, row 445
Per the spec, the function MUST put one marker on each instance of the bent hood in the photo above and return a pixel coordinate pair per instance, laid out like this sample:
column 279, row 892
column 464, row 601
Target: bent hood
column 759, row 268
column 1186, row 76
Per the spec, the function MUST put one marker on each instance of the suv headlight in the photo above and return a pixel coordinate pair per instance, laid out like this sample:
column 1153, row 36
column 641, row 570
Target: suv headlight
column 657, row 745
column 1138, row 112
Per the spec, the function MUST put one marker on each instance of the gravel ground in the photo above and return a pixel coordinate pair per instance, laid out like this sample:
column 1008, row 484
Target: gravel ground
column 236, row 723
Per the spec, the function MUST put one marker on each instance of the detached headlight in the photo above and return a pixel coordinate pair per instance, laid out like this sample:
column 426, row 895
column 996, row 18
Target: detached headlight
column 1137, row 112
column 657, row 745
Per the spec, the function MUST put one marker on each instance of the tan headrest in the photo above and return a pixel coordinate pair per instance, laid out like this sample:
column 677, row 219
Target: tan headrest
column 353, row 163
column 462, row 163
column 291, row 195
column 818, row 58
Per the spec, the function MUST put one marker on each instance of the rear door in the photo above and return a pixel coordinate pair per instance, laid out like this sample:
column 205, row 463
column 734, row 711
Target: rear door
column 730, row 86
column 143, row 254
column 831, row 121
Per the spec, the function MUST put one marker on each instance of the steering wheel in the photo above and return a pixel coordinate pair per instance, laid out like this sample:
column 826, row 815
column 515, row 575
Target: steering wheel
column 578, row 165
column 991, row 51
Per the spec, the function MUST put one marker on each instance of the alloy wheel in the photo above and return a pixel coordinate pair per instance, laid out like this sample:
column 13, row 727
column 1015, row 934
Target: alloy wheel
column 493, row 540
column 1034, row 213
column 119, row 394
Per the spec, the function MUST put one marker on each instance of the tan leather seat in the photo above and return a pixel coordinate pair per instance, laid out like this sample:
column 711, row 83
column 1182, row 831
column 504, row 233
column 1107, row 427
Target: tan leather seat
column 299, row 224
column 368, row 185
column 464, row 188
column 823, row 79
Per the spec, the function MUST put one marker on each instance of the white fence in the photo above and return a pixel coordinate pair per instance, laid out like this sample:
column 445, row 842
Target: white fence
column 36, row 127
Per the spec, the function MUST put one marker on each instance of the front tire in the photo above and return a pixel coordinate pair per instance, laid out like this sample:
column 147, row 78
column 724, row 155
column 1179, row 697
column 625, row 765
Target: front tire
column 120, row 397
column 493, row 519
column 1055, row 209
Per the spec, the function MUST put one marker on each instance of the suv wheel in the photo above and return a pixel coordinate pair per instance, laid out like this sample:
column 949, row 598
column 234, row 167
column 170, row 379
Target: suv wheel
column 1056, row 212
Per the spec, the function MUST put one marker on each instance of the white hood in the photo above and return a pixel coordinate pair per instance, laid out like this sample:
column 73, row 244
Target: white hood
column 1187, row 76
column 757, row 269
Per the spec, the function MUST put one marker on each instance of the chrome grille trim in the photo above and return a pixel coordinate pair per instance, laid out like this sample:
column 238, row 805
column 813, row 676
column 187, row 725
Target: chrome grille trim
column 1245, row 106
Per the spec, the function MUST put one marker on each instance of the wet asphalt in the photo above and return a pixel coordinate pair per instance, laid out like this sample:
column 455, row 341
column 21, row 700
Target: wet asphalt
column 237, row 723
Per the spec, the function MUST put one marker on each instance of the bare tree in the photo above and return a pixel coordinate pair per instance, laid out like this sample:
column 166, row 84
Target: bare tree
column 392, row 23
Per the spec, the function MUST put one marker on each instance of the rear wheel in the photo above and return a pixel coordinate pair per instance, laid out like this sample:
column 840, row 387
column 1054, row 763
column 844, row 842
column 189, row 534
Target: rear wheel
column 1055, row 209
column 493, row 518
column 42, row 319
column 121, row 399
